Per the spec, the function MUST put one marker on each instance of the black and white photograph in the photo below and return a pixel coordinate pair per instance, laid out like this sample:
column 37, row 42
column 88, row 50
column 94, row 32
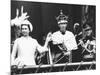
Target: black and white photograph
column 52, row 37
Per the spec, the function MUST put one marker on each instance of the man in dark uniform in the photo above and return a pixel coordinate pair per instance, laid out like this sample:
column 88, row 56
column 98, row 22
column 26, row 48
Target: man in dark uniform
column 88, row 44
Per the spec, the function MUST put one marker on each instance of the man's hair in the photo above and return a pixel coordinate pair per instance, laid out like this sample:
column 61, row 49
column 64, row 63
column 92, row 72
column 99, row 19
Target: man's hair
column 25, row 25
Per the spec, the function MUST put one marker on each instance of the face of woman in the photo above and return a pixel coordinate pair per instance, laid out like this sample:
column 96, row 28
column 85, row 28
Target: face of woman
column 25, row 30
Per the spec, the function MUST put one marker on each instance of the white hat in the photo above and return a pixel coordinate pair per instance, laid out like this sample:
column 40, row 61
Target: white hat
column 29, row 23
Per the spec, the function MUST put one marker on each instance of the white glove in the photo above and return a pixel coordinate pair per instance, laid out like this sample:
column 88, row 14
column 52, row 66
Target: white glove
column 49, row 37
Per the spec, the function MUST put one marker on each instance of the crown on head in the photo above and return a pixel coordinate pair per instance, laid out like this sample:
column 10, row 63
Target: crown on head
column 62, row 17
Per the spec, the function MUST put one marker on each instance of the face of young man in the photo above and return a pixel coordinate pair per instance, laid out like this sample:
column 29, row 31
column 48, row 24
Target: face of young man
column 62, row 27
column 89, row 32
column 25, row 30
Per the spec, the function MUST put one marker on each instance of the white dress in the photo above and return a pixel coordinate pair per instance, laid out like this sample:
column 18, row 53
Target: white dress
column 26, row 48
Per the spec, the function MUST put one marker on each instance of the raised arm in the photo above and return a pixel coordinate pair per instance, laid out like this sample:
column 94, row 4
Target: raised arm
column 44, row 48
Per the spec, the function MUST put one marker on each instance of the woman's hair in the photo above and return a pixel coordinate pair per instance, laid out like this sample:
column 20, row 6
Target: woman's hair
column 26, row 25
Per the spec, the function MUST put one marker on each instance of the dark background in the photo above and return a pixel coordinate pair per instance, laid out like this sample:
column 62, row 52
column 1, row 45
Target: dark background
column 43, row 16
